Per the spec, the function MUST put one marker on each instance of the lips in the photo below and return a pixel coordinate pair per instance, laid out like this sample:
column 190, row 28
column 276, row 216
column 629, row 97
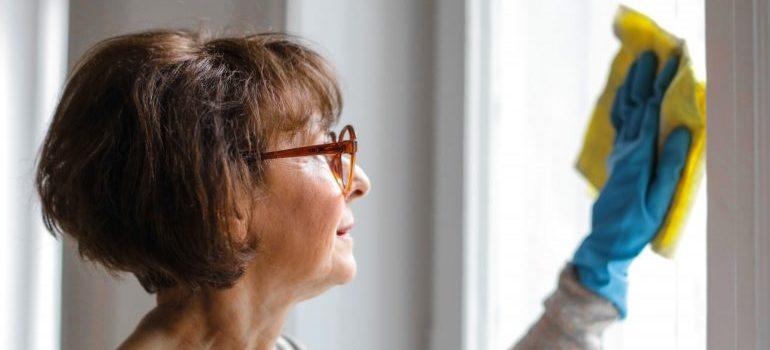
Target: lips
column 342, row 232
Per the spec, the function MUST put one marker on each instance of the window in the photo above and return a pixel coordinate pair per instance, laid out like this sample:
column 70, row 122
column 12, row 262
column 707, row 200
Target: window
column 548, row 63
column 33, row 55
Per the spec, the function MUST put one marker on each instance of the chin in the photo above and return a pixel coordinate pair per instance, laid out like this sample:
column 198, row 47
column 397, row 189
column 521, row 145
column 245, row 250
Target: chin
column 341, row 270
column 345, row 270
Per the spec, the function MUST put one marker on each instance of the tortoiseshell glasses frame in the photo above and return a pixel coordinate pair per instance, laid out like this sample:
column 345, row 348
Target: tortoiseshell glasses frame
column 347, row 144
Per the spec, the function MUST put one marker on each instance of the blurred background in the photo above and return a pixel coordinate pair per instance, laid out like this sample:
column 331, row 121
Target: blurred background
column 469, row 114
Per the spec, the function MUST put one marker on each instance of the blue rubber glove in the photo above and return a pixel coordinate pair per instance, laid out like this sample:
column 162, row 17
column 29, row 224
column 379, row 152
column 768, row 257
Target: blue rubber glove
column 637, row 194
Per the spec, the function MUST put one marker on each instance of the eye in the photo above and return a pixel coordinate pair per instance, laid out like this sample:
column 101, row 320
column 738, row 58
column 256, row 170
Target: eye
column 329, row 159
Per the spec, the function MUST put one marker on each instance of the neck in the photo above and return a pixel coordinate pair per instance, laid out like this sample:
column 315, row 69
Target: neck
column 240, row 317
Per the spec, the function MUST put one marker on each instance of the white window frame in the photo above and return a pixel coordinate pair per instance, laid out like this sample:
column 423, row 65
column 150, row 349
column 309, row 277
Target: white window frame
column 33, row 53
column 738, row 164
column 738, row 151
column 460, row 189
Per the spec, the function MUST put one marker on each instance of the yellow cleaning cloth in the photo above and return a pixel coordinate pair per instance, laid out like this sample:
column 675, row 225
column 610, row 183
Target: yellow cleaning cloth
column 684, row 104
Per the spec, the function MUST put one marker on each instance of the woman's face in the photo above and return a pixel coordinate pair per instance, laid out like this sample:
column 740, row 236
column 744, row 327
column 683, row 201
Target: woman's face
column 304, row 222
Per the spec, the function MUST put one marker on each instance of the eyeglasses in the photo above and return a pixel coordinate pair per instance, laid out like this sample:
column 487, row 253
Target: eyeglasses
column 340, row 153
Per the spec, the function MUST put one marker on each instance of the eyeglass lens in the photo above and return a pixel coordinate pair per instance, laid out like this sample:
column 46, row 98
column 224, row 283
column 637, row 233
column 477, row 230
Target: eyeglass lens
column 341, row 164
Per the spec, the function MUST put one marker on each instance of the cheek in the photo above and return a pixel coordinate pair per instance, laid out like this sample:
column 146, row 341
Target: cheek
column 318, row 208
column 308, row 209
column 317, row 221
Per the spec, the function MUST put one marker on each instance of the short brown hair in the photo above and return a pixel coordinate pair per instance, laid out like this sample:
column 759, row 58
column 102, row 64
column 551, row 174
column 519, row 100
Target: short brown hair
column 143, row 163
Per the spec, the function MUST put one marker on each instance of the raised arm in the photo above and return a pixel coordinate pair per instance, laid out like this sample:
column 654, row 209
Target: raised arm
column 591, row 292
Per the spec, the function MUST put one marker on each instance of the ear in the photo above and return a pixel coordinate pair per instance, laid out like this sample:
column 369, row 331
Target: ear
column 245, row 215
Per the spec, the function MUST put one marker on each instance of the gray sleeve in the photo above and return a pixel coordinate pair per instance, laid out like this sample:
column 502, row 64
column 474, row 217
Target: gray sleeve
column 285, row 342
column 574, row 318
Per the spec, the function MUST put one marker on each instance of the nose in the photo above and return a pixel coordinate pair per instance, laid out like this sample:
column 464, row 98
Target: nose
column 360, row 186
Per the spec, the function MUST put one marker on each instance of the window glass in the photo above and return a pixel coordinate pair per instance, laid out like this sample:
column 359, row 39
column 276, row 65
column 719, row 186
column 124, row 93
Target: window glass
column 549, row 62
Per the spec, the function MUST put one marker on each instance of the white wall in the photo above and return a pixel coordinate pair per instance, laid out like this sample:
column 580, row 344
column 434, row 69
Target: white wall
column 455, row 177
column 382, row 50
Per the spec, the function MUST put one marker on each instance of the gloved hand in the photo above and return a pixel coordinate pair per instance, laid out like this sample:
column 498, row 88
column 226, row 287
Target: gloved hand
column 637, row 194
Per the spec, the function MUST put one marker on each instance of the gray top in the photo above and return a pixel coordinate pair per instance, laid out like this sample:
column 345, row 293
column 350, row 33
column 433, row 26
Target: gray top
column 286, row 342
column 574, row 318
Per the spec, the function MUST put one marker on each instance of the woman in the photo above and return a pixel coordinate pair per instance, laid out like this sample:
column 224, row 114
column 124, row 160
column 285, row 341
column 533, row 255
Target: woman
column 207, row 169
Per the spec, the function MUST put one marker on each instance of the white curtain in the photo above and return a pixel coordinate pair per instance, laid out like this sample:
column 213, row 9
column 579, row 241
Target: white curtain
column 32, row 65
